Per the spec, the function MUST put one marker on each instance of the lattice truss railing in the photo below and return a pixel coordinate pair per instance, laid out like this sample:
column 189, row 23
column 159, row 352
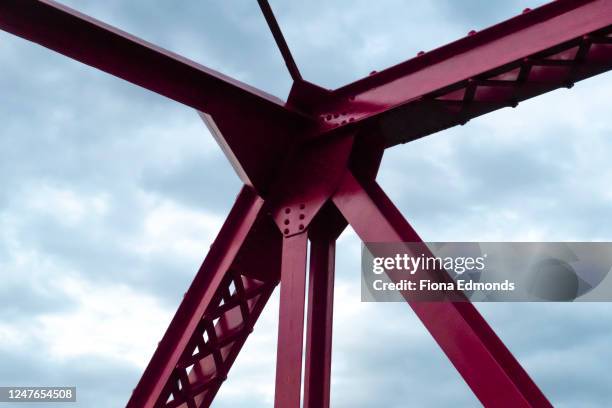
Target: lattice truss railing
column 506, row 86
column 458, row 102
column 218, row 338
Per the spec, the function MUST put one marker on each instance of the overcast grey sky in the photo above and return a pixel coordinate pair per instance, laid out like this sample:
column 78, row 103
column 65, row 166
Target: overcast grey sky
column 110, row 196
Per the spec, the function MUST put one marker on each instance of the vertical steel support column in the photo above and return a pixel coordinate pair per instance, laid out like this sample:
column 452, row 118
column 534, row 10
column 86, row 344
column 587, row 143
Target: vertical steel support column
column 320, row 315
column 291, row 322
column 484, row 362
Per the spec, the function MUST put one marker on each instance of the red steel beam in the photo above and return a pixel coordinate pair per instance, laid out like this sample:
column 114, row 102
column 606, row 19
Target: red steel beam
column 540, row 50
column 217, row 313
column 280, row 40
column 317, row 375
column 488, row 367
column 109, row 49
column 291, row 322
column 257, row 128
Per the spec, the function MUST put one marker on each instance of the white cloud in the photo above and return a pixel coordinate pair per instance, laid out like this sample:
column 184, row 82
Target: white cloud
column 106, row 322
column 175, row 230
column 65, row 205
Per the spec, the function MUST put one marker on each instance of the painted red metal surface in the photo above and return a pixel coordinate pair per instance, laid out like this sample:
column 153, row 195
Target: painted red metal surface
column 291, row 322
column 309, row 166
column 483, row 361
column 550, row 47
column 217, row 313
column 317, row 375
column 280, row 40
column 256, row 143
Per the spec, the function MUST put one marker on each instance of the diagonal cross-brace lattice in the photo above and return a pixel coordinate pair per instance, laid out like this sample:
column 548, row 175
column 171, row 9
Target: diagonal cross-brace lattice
column 309, row 167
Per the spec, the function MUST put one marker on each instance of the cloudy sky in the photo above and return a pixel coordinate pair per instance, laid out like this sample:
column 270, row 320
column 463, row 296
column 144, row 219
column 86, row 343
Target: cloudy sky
column 110, row 196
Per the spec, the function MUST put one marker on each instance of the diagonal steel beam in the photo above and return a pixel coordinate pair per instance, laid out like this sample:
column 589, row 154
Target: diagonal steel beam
column 217, row 313
column 484, row 362
column 109, row 49
column 257, row 128
column 280, row 39
column 540, row 50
